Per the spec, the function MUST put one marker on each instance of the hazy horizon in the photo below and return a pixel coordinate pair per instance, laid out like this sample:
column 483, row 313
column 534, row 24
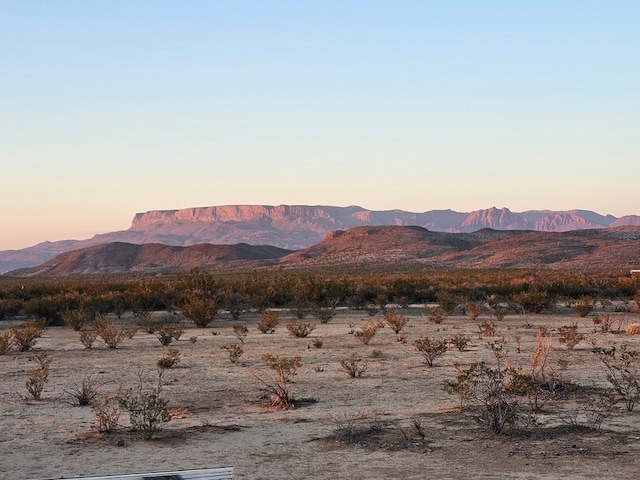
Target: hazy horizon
column 115, row 108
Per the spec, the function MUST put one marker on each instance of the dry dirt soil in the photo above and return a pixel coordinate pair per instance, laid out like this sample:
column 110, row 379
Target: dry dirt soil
column 355, row 428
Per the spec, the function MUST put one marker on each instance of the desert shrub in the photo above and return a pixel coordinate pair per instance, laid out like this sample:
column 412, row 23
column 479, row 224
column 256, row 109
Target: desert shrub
column 460, row 341
column 395, row 320
column 535, row 383
column 199, row 302
column 372, row 310
column 268, row 321
column 317, row 343
column 77, row 318
column 235, row 351
column 193, row 339
column 86, row 394
column 39, row 376
column 110, row 333
column 146, row 407
column 622, row 372
column 633, row 329
column 367, row 332
column 240, row 331
column 324, row 314
column 88, row 336
column 129, row 331
column 354, row 366
column 488, row 328
column 583, row 306
column 280, row 371
column 168, row 332
column 498, row 311
column 300, row 309
column 430, row 349
column 5, row 342
column 569, row 336
column 24, row 335
column 437, row 314
column 473, row 309
column 299, row 329
column 604, row 322
column 107, row 412
column 170, row 359
column 534, row 301
column 484, row 387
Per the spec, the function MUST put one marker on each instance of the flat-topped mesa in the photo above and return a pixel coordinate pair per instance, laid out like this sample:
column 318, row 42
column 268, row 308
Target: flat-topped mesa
column 236, row 213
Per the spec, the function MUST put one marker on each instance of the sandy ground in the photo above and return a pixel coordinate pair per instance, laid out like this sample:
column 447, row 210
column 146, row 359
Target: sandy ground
column 220, row 420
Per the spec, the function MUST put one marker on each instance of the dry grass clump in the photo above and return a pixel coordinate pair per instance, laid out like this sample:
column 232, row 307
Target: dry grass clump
column 86, row 394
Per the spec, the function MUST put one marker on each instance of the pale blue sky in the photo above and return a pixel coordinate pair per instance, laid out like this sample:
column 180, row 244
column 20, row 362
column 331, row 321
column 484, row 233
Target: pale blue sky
column 108, row 108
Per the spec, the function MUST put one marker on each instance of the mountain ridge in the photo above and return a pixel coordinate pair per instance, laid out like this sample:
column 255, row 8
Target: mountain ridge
column 401, row 248
column 295, row 227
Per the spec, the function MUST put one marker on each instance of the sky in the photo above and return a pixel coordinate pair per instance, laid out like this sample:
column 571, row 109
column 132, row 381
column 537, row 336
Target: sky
column 109, row 108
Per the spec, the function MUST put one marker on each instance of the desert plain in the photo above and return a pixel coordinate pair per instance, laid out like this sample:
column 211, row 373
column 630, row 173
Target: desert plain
column 394, row 422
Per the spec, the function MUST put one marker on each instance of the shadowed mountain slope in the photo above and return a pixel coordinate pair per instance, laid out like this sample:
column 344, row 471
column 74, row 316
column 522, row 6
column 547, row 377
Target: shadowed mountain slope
column 121, row 257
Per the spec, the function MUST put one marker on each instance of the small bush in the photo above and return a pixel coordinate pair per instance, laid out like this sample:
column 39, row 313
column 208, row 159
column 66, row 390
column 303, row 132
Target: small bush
column 24, row 335
column 5, row 342
column 146, row 407
column 473, row 309
column 107, row 412
column 460, row 341
column 77, row 318
column 633, row 329
column 324, row 314
column 430, row 349
column 569, row 336
column 240, row 331
column 354, row 366
column 395, row 320
column 235, row 351
column 170, row 359
column 168, row 332
column 110, row 333
column 39, row 376
column 88, row 337
column 488, row 328
column 317, row 343
column 622, row 372
column 299, row 329
column 281, row 371
column 367, row 332
column 437, row 314
column 584, row 306
column 268, row 321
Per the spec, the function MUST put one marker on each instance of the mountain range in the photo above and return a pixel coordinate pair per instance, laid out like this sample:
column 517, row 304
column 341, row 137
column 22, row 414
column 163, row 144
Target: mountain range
column 298, row 227
column 373, row 248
